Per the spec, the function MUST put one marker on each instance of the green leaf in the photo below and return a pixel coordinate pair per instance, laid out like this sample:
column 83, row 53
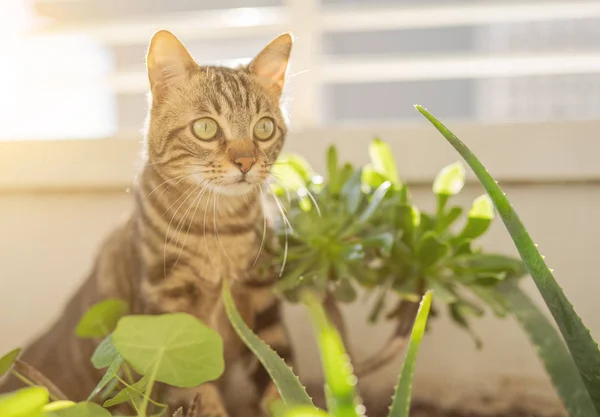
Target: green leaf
column 304, row 412
column 401, row 402
column 372, row 178
column 290, row 174
column 582, row 346
column 176, row 349
column 105, row 354
column 58, row 405
column 26, row 402
column 441, row 291
column 479, row 219
column 447, row 220
column 291, row 390
column 300, row 165
column 492, row 298
column 450, row 180
column 431, row 249
column 339, row 379
column 6, row 361
column 333, row 181
column 376, row 199
column 83, row 409
column 459, row 312
column 352, row 192
column 383, row 160
column 111, row 373
column 101, row 318
column 132, row 393
column 552, row 351
column 382, row 241
column 491, row 262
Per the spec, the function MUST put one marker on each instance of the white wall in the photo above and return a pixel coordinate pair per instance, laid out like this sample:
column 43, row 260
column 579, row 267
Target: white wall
column 48, row 240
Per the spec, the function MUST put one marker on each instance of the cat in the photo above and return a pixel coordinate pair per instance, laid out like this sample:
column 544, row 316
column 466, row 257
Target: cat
column 212, row 135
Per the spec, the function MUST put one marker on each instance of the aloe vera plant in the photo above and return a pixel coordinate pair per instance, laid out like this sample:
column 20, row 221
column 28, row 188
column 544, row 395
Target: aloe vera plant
column 582, row 347
column 340, row 382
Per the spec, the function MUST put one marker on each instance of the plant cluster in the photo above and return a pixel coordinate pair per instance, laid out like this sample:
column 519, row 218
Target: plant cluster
column 359, row 229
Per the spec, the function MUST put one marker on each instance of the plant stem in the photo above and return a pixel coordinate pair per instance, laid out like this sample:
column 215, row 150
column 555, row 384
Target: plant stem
column 144, row 407
column 33, row 377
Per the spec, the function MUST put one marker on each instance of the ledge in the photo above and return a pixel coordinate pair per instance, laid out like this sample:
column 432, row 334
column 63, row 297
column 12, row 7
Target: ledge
column 517, row 152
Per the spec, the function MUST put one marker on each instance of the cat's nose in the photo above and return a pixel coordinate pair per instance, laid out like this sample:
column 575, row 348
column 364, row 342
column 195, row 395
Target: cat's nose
column 244, row 163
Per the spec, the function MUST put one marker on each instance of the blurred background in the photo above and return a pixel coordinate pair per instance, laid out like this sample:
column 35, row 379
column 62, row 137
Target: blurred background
column 519, row 81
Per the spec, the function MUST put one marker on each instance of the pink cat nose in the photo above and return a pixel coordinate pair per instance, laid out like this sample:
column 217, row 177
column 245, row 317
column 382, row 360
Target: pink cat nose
column 244, row 163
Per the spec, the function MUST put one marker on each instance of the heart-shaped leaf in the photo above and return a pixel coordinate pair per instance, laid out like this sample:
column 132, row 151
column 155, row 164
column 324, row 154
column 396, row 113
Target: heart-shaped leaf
column 176, row 349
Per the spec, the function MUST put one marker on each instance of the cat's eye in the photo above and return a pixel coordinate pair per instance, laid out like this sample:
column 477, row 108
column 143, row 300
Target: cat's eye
column 264, row 129
column 205, row 128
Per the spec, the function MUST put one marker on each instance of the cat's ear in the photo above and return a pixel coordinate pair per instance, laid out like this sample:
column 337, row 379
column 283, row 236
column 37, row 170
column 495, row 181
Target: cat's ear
column 168, row 62
column 271, row 63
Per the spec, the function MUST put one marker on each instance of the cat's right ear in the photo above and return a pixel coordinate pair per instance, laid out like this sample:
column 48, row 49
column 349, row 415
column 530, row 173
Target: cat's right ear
column 168, row 63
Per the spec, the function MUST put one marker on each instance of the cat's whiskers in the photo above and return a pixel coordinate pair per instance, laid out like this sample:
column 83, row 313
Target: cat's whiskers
column 262, row 241
column 179, row 178
column 197, row 204
column 287, row 222
column 169, row 227
column 296, row 182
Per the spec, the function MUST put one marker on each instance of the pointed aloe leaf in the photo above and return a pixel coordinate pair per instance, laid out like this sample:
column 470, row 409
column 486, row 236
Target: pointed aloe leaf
column 101, row 318
column 304, row 412
column 291, row 390
column 551, row 350
column 383, row 160
column 6, row 361
column 582, row 346
column 401, row 402
column 339, row 379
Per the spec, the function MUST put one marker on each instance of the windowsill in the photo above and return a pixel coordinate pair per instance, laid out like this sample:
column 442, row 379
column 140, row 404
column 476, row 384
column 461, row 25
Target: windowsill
column 515, row 152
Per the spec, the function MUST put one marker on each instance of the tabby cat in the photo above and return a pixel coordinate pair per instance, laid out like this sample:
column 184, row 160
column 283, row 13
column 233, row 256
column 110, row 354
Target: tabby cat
column 212, row 135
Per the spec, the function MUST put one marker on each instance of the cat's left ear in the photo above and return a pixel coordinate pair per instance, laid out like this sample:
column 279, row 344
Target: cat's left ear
column 271, row 63
column 168, row 63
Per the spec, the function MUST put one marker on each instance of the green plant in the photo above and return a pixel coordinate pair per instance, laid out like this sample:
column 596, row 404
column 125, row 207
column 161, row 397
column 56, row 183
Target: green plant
column 340, row 382
column 359, row 229
column 137, row 351
column 580, row 395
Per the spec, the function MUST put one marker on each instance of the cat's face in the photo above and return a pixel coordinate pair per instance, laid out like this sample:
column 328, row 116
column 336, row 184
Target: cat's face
column 221, row 128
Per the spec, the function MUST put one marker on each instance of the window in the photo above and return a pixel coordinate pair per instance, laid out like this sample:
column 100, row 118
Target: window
column 503, row 71
column 77, row 67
